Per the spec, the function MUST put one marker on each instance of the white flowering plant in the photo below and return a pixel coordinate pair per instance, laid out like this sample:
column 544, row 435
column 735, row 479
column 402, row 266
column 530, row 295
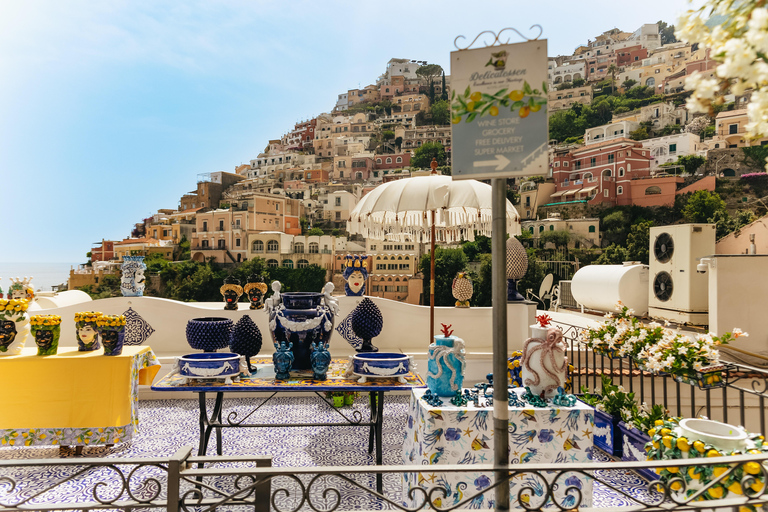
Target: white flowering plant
column 739, row 43
column 678, row 354
column 611, row 399
column 613, row 334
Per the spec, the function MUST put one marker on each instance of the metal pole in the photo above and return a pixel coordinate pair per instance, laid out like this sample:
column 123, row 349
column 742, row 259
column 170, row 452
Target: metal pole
column 499, row 302
column 432, row 280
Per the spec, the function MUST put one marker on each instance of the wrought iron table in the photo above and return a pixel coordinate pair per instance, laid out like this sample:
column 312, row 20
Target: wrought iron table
column 301, row 381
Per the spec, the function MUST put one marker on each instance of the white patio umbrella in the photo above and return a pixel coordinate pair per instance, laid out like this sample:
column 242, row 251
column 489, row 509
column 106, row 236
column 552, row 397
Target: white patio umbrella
column 427, row 209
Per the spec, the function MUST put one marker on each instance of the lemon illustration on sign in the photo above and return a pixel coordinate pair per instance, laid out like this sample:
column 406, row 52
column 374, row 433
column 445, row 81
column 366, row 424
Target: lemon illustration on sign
column 535, row 107
column 682, row 444
column 476, row 96
column 516, row 95
column 524, row 111
column 456, row 120
column 471, row 106
column 752, row 468
column 698, row 446
column 494, row 110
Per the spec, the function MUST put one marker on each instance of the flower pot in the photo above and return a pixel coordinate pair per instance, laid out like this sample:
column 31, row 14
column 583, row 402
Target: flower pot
column 132, row 277
column 46, row 329
column 14, row 326
column 301, row 318
column 607, row 435
column 210, row 365
column 609, row 353
column 381, row 364
column 445, row 367
column 112, row 331
column 633, row 448
column 209, row 334
column 338, row 401
column 88, row 336
column 349, row 399
column 706, row 378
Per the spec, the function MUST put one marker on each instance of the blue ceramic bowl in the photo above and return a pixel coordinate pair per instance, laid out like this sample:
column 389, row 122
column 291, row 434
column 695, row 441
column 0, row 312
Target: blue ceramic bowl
column 210, row 365
column 381, row 364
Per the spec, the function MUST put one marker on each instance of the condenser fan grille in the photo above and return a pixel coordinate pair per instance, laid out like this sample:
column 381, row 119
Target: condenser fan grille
column 662, row 286
column 663, row 247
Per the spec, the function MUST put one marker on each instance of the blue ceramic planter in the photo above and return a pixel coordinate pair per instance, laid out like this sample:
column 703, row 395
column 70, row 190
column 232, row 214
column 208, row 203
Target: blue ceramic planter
column 445, row 367
column 210, row 365
column 607, row 435
column 381, row 364
column 209, row 334
column 302, row 318
column 633, row 448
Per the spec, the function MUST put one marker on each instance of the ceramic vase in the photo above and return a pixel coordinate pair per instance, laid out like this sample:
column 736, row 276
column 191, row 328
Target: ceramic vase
column 300, row 319
column 87, row 329
column 320, row 359
column 132, row 279
column 283, row 360
column 112, row 331
column 46, row 329
column 544, row 366
column 355, row 275
column 14, row 326
column 446, row 365
column 209, row 334
column 255, row 288
column 231, row 291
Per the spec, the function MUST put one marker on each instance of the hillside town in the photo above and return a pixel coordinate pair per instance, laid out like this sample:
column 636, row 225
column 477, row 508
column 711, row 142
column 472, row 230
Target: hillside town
column 621, row 137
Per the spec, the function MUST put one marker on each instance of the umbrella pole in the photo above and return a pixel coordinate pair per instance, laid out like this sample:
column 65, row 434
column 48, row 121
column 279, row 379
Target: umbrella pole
column 432, row 280
column 499, row 303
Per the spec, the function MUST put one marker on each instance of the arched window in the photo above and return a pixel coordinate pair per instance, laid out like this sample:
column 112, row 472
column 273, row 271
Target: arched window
column 389, row 160
column 587, row 175
column 314, row 248
column 551, row 227
column 298, row 248
column 591, row 229
column 531, row 229
column 378, row 160
column 400, row 258
column 258, row 246
column 359, row 176
column 302, row 264
column 541, row 228
column 650, row 82
column 621, row 172
column 607, row 172
column 619, row 190
column 399, row 160
column 272, row 263
column 272, row 246
column 288, row 263
column 652, row 190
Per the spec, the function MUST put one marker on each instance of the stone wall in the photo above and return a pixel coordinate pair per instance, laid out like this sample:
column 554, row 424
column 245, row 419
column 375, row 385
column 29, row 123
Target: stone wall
column 720, row 160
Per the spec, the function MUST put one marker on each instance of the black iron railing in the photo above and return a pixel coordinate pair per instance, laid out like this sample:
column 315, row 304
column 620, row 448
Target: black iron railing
column 741, row 400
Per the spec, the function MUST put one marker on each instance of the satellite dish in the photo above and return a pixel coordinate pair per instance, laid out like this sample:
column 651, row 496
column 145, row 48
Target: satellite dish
column 546, row 286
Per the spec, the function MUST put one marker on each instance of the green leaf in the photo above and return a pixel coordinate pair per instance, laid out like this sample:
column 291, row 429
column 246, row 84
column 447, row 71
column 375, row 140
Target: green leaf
column 453, row 95
column 526, row 88
column 501, row 91
column 517, row 105
column 467, row 92
column 544, row 87
column 530, row 102
column 471, row 117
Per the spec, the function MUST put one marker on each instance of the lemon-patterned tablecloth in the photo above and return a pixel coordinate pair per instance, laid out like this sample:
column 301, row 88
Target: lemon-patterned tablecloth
column 73, row 398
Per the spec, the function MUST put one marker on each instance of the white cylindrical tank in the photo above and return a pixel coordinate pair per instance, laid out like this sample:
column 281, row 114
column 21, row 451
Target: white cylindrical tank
column 600, row 287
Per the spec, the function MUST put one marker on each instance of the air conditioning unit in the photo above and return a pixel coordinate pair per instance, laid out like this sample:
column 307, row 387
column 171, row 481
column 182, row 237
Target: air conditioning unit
column 677, row 292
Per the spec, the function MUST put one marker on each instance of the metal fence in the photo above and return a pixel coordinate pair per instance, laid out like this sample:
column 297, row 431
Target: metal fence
column 740, row 401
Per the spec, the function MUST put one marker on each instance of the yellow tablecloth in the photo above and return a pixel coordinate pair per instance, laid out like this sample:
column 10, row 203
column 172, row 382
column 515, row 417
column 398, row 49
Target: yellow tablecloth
column 73, row 396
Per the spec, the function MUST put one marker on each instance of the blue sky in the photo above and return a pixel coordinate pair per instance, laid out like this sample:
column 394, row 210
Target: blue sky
column 110, row 109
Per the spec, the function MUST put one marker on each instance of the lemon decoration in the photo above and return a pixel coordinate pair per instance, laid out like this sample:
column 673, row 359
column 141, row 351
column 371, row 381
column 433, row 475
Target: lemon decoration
column 494, row 110
column 667, row 440
column 665, row 431
column 656, row 444
column 752, row 468
column 719, row 470
column 713, row 453
column 676, row 486
column 673, row 469
column 652, row 432
column 682, row 444
column 716, row 492
column 693, row 473
column 659, row 423
column 735, row 488
column 698, row 446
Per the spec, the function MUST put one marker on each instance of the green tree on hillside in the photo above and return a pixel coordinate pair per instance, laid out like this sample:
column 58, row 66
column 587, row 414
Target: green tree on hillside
column 447, row 263
column 441, row 112
column 638, row 241
column 559, row 238
column 429, row 73
column 702, row 206
column 667, row 32
column 315, row 232
column 424, row 154
column 613, row 255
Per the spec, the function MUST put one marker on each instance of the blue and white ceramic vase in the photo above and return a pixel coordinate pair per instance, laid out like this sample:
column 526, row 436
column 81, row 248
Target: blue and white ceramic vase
column 112, row 331
column 301, row 319
column 209, row 334
column 321, row 360
column 446, row 365
column 132, row 280
column 283, row 360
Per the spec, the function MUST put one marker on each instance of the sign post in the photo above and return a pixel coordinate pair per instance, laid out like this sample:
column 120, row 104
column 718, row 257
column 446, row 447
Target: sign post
column 499, row 131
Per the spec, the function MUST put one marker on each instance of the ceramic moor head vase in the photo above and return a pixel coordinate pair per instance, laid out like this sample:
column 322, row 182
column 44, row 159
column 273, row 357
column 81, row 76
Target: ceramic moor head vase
column 88, row 336
column 132, row 279
column 355, row 275
column 209, row 334
column 14, row 326
column 46, row 330
column 112, row 330
column 256, row 289
column 231, row 290
column 300, row 318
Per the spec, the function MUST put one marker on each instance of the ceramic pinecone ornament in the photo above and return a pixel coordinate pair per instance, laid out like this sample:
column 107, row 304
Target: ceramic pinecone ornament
column 246, row 340
column 367, row 323
column 462, row 290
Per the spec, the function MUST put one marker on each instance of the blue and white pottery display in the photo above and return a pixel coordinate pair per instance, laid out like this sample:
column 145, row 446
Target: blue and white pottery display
column 381, row 364
column 209, row 334
column 446, row 364
column 132, row 279
column 210, row 365
column 301, row 318
column 607, row 435
column 321, row 359
column 633, row 448
column 366, row 321
column 355, row 274
column 246, row 340
column 283, row 360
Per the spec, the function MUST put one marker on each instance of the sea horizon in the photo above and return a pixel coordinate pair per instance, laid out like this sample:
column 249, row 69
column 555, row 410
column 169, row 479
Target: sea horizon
column 44, row 275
